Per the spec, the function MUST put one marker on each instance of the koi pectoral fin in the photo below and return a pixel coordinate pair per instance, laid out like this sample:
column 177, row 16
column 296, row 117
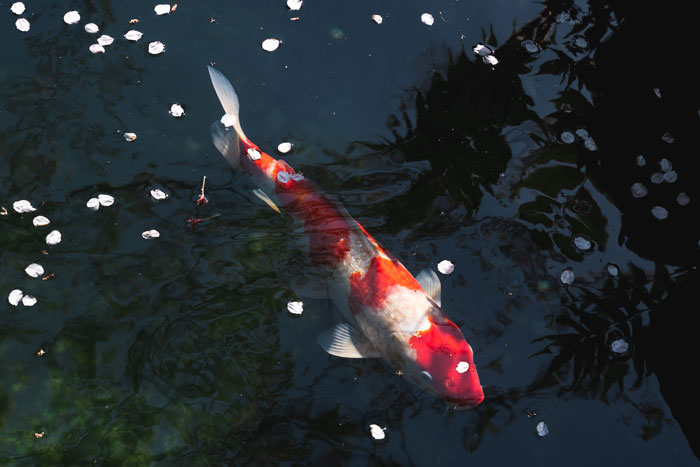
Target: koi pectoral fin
column 431, row 284
column 342, row 340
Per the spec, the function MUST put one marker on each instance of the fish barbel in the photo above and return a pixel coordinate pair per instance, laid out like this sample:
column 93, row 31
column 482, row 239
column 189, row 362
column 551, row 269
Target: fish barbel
column 388, row 313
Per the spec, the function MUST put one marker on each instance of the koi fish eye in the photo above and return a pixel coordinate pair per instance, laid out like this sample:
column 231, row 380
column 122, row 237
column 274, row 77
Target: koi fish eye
column 426, row 376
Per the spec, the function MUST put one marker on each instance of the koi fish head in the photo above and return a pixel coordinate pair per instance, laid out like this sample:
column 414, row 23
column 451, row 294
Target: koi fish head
column 444, row 363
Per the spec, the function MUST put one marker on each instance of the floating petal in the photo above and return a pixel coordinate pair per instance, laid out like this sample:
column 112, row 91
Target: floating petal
column 567, row 276
column 427, row 18
column 640, row 161
column 445, row 267
column 156, row 47
column 92, row 28
column 285, row 147
column 295, row 308
column 567, row 137
column 15, row 296
column 639, row 190
column 271, row 44
column 530, row 46
column 22, row 24
column 283, row 176
column 590, row 144
column 582, row 243
column 490, row 60
column 23, row 206
column 133, row 35
column 28, row 300
column 228, row 120
column 53, row 238
column 254, row 155
column 671, row 176
column 34, row 270
column 482, row 50
column 542, row 429
column 613, row 269
column 176, row 110
column 657, row 177
column 93, row 204
column 659, row 212
column 40, row 221
column 162, row 9
column 665, row 165
column 17, row 8
column 377, row 18
column 462, row 367
column 158, row 194
column 130, row 136
column 150, row 234
column 97, row 49
column 104, row 39
column 71, row 17
column 619, row 346
column 105, row 200
column 682, row 199
column 294, row 5
column 377, row 432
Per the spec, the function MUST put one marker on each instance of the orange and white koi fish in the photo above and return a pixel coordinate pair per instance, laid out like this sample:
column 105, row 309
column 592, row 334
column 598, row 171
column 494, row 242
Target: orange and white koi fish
column 388, row 313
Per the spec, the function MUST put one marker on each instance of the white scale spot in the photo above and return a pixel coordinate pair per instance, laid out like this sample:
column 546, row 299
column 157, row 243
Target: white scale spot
column 283, row 177
column 254, row 154
column 462, row 367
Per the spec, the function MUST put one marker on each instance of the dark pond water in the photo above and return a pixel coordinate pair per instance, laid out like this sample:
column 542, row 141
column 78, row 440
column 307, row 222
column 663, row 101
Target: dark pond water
column 180, row 350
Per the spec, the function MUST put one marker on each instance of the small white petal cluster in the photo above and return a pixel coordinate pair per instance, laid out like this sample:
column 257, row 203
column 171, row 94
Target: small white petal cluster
column 377, row 432
column 148, row 234
column 158, row 194
column 22, row 206
column 446, row 267
column 133, row 35
column 271, row 44
column 427, row 18
column 17, row 295
column 156, row 47
column 295, row 308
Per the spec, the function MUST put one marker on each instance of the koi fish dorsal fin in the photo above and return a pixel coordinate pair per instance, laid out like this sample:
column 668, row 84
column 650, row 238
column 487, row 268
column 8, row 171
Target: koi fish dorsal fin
column 342, row 340
column 228, row 98
column 431, row 284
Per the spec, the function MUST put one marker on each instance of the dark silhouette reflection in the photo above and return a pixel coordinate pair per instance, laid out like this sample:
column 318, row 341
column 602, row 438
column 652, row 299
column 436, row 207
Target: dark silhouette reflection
column 620, row 99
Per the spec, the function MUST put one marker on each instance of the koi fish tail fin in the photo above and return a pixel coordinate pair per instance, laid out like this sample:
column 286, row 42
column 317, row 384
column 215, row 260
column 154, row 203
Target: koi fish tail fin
column 226, row 141
column 228, row 98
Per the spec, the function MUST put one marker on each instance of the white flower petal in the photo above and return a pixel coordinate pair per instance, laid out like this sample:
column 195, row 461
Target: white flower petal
column 158, row 194
column 254, row 154
column 148, row 234
column 93, row 204
column 71, row 17
column 228, row 120
column 377, row 18
column 295, row 308
column 156, row 47
column 92, row 28
column 105, row 200
column 271, row 44
column 427, row 18
column 162, row 9
column 15, row 296
column 285, row 147
column 482, row 50
column 23, row 206
column 97, row 49
column 490, row 60
column 17, row 8
column 130, row 136
column 22, row 24
column 445, row 266
column 582, row 243
column 283, row 176
column 619, row 346
column 34, row 270
column 462, row 367
column 40, row 221
column 133, row 35
column 294, row 4
column 28, row 300
column 53, row 238
column 542, row 429
column 567, row 276
column 176, row 110
column 376, row 432
column 104, row 39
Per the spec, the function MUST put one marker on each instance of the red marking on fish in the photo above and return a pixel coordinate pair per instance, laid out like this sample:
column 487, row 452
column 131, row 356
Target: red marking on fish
column 371, row 289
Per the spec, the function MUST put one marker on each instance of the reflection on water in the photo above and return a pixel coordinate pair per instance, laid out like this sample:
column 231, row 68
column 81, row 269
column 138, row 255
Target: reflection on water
column 180, row 350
